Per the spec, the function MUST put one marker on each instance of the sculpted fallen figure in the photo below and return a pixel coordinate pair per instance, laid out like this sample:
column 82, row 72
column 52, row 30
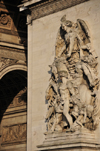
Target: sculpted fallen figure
column 73, row 91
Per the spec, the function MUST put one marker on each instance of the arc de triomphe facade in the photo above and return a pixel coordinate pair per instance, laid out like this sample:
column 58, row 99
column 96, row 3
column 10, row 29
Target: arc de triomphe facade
column 56, row 104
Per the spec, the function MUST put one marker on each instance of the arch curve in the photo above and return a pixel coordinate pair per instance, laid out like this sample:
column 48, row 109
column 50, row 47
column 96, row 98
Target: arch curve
column 11, row 68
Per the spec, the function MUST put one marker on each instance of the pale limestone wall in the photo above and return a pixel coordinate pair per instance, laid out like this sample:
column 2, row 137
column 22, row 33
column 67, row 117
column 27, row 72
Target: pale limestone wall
column 41, row 54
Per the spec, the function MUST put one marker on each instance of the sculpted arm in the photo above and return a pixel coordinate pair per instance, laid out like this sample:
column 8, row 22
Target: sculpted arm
column 62, row 50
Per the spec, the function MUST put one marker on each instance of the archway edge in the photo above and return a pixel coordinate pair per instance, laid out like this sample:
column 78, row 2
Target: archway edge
column 12, row 68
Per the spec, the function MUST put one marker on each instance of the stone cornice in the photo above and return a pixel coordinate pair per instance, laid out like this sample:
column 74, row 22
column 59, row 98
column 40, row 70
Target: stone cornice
column 10, row 32
column 11, row 49
column 13, row 46
column 48, row 7
column 16, row 110
column 12, row 53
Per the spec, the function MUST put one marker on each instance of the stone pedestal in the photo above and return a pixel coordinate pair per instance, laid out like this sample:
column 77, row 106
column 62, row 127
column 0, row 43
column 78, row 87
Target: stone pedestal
column 83, row 140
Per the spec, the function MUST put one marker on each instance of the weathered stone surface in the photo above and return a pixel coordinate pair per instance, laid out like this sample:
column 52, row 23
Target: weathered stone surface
column 42, row 42
column 13, row 108
column 80, row 140
column 72, row 94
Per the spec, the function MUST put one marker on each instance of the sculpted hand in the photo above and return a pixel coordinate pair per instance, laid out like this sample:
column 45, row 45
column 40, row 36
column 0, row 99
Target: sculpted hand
column 68, row 55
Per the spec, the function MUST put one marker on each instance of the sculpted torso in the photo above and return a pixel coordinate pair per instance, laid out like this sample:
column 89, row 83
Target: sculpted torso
column 74, row 81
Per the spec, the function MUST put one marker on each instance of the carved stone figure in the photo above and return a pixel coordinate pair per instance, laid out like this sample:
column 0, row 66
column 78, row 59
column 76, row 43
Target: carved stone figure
column 73, row 91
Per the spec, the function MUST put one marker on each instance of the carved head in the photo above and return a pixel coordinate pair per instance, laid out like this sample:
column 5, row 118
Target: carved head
column 65, row 22
column 78, row 67
column 58, row 100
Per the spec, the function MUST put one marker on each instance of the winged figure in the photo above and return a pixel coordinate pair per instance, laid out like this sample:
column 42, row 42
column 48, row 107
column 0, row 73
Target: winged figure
column 74, row 80
column 72, row 37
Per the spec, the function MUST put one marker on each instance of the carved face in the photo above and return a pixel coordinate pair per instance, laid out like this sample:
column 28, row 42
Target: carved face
column 68, row 23
column 64, row 27
column 58, row 101
column 78, row 68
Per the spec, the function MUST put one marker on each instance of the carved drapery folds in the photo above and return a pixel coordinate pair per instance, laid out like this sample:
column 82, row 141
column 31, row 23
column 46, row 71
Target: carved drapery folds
column 73, row 91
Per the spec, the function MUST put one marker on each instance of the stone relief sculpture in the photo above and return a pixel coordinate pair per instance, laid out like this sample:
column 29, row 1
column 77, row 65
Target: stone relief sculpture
column 5, row 19
column 14, row 133
column 5, row 62
column 73, row 91
column 19, row 99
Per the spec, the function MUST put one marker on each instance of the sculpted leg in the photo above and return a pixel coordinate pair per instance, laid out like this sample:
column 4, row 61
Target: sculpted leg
column 67, row 115
column 57, row 122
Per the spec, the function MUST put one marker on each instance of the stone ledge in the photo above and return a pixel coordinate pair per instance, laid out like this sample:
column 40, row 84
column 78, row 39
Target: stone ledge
column 14, row 143
column 67, row 141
